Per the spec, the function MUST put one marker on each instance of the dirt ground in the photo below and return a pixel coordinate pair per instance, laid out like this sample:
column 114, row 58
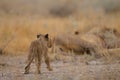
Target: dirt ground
column 12, row 68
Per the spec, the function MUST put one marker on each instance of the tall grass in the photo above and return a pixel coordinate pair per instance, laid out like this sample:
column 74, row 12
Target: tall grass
column 25, row 28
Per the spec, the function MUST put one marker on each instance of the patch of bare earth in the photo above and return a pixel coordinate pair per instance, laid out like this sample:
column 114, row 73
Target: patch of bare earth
column 12, row 68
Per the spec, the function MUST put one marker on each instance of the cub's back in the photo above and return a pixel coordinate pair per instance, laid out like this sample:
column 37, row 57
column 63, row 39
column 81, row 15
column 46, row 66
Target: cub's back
column 38, row 46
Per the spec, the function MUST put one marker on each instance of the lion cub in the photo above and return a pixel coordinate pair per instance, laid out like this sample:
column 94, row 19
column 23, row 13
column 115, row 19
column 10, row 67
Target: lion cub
column 39, row 48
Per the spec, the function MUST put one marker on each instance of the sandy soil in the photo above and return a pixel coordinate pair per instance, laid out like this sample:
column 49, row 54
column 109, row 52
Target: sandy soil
column 12, row 68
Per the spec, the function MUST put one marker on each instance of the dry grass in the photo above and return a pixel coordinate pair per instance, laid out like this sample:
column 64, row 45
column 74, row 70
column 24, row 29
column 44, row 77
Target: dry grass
column 19, row 28
column 25, row 28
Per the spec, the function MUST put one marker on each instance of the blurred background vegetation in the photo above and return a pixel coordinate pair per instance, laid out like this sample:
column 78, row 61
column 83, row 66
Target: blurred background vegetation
column 25, row 18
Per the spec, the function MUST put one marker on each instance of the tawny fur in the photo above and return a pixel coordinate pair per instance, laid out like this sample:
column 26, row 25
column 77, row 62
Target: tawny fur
column 38, row 49
column 110, row 37
column 72, row 43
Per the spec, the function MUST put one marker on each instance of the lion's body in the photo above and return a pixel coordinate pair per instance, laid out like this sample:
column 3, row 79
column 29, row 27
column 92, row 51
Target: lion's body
column 38, row 49
column 72, row 43
column 110, row 36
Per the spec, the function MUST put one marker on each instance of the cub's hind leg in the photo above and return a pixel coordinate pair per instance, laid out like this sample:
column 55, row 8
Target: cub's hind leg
column 38, row 64
column 47, row 61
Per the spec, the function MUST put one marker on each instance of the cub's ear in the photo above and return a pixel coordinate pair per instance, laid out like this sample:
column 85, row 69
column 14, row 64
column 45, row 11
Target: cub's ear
column 46, row 36
column 76, row 33
column 114, row 30
column 38, row 35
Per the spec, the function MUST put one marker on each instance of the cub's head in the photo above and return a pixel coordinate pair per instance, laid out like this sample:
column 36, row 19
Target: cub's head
column 45, row 38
